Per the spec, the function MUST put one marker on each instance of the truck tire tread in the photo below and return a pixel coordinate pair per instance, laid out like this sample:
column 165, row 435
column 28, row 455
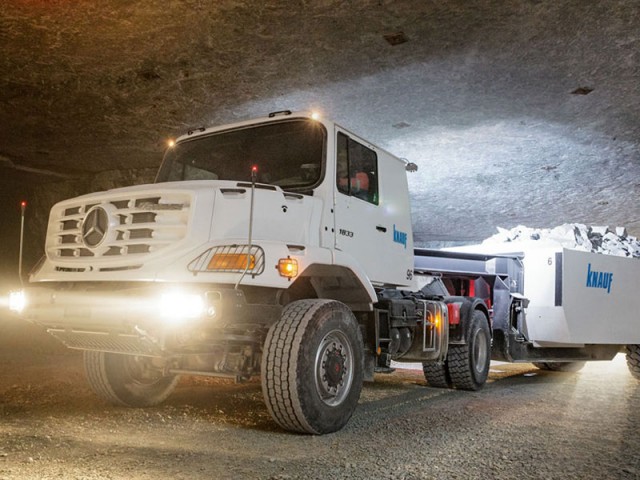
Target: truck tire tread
column 97, row 377
column 277, row 372
column 288, row 398
column 460, row 359
column 437, row 374
column 111, row 381
column 633, row 360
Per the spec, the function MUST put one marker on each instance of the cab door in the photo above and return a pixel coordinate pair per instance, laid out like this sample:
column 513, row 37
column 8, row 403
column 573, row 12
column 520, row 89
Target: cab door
column 360, row 229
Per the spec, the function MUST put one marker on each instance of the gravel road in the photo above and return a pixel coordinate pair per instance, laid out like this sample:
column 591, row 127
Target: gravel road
column 525, row 424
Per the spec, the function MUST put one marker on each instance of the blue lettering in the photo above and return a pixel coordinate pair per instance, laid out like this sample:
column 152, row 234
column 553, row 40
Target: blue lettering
column 610, row 282
column 602, row 280
column 399, row 237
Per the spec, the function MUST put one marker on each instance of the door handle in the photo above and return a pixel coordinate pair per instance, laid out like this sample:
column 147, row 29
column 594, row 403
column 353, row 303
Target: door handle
column 380, row 228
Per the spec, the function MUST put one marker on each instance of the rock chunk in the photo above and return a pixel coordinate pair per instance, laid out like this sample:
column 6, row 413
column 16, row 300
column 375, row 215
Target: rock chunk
column 576, row 236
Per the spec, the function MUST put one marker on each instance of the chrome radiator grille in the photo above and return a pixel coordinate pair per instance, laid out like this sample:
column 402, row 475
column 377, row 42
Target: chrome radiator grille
column 119, row 227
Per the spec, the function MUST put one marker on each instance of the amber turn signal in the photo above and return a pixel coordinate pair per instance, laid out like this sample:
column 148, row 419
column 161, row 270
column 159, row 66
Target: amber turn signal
column 288, row 267
column 232, row 261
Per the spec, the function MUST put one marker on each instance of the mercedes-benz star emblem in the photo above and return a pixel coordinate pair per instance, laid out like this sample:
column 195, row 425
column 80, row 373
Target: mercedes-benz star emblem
column 94, row 227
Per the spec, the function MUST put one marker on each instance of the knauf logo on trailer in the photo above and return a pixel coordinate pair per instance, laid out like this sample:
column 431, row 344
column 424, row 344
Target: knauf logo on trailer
column 599, row 279
column 399, row 237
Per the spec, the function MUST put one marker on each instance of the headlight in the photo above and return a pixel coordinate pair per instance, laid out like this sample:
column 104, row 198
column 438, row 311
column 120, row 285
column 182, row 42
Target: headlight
column 17, row 301
column 181, row 305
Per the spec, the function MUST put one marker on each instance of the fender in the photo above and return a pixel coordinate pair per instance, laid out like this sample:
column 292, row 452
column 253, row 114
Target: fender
column 343, row 280
column 458, row 333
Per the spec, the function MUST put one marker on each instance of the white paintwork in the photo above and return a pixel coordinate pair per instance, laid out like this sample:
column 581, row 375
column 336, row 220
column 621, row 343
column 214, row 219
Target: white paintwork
column 385, row 260
column 588, row 315
column 595, row 315
column 282, row 225
column 544, row 321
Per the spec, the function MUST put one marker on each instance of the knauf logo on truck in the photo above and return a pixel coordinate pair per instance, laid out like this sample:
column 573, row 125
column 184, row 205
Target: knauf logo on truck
column 399, row 237
column 599, row 279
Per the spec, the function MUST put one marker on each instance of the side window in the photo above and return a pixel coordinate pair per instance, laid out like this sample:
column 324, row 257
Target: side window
column 357, row 169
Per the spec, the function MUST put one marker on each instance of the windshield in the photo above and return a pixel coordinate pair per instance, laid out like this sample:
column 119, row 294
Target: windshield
column 288, row 154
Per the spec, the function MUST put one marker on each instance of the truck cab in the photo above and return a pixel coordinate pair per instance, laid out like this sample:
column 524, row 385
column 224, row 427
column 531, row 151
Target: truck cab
column 321, row 196
column 317, row 186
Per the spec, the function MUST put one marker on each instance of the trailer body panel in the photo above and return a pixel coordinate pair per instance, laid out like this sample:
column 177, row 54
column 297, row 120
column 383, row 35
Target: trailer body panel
column 600, row 298
column 572, row 298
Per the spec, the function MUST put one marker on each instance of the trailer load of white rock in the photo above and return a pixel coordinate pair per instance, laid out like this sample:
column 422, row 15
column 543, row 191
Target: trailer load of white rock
column 573, row 236
column 581, row 283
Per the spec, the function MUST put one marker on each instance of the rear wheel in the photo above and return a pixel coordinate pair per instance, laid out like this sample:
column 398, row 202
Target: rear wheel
column 312, row 366
column 127, row 379
column 437, row 374
column 560, row 366
column 468, row 364
column 633, row 360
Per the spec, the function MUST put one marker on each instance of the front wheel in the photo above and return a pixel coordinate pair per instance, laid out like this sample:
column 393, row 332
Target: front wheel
column 468, row 364
column 127, row 380
column 312, row 366
column 633, row 360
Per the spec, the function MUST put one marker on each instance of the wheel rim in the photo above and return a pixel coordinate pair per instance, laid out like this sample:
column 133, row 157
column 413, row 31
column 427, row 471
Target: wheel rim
column 334, row 368
column 140, row 371
column 480, row 351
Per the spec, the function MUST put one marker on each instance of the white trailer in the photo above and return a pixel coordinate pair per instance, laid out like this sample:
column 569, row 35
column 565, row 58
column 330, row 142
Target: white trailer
column 552, row 306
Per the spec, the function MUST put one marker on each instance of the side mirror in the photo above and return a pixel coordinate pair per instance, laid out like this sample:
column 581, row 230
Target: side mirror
column 411, row 167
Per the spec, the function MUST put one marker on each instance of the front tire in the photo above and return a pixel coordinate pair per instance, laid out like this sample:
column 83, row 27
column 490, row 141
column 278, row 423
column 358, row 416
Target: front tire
column 312, row 366
column 633, row 360
column 468, row 364
column 127, row 380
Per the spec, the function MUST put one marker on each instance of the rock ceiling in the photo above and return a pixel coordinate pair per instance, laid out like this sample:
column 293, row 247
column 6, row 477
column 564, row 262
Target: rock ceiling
column 516, row 112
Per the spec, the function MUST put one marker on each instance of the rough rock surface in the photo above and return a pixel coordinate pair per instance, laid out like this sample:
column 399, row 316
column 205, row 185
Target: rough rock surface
column 516, row 112
column 573, row 236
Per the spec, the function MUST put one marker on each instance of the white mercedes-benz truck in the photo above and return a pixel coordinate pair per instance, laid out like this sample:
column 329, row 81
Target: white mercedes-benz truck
column 282, row 247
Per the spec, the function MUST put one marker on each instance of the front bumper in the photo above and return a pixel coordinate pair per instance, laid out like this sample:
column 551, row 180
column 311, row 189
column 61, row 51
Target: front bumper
column 114, row 308
column 154, row 320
